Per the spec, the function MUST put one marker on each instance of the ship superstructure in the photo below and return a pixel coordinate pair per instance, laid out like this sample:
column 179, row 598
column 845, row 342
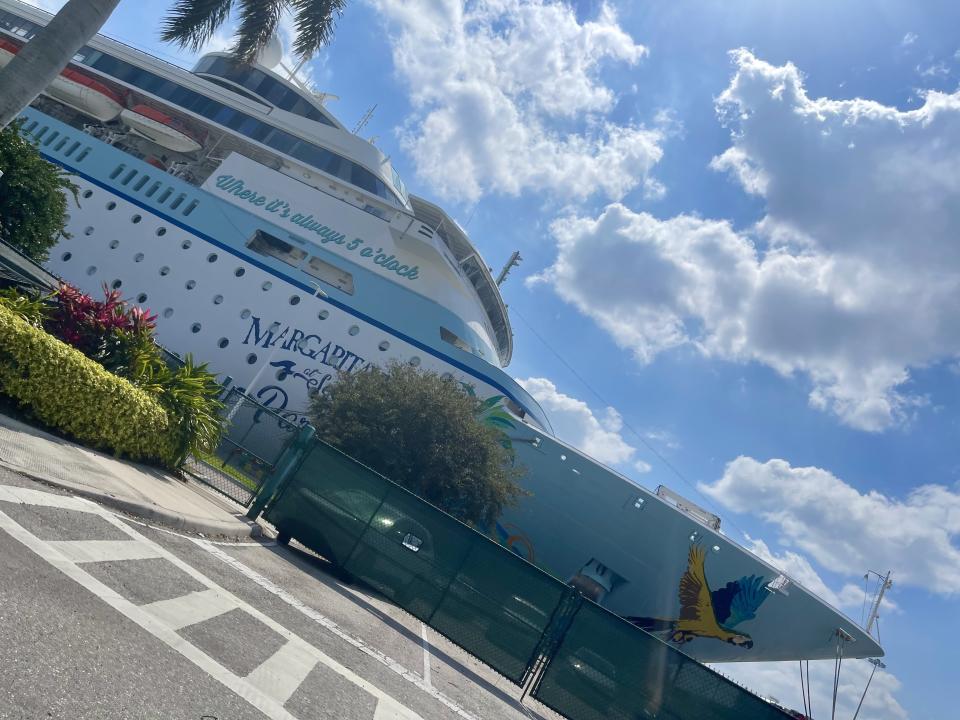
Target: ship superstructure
column 283, row 250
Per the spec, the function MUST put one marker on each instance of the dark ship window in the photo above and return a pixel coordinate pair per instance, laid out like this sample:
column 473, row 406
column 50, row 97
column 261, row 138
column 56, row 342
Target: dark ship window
column 268, row 245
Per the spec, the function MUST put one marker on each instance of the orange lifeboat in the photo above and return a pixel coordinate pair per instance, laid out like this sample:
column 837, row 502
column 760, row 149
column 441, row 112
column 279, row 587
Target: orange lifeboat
column 160, row 128
column 76, row 89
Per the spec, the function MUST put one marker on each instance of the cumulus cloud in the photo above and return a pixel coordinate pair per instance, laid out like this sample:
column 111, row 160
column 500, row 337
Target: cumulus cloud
column 847, row 531
column 850, row 278
column 781, row 680
column 507, row 97
column 598, row 435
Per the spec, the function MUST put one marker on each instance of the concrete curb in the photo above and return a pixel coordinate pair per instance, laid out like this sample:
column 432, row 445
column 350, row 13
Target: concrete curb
column 238, row 529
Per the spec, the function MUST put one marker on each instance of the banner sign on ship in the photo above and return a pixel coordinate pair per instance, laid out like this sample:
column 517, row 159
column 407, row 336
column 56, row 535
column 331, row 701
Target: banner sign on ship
column 313, row 214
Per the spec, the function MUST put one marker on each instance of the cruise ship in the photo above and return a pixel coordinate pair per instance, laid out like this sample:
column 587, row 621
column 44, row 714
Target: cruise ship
column 284, row 249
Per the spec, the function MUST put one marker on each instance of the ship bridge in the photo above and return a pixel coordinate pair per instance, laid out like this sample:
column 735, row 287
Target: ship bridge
column 474, row 269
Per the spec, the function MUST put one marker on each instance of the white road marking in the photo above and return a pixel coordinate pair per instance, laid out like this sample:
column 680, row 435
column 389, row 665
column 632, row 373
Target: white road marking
column 190, row 609
column 261, row 698
column 85, row 551
column 281, row 673
column 335, row 629
column 426, row 654
column 28, row 496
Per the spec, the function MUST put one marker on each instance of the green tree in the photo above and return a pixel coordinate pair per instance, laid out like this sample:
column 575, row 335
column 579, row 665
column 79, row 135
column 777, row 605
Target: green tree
column 190, row 24
column 33, row 203
column 424, row 432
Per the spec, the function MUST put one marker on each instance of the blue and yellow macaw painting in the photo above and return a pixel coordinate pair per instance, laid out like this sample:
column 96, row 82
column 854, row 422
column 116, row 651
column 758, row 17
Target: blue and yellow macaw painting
column 710, row 613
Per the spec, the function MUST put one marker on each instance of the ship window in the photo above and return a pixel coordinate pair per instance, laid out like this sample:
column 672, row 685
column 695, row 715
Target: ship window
column 114, row 244
column 141, row 298
column 222, row 343
column 454, row 339
column 239, row 272
column 161, row 231
column 111, row 205
column 87, row 194
column 330, row 274
column 66, row 256
column 268, row 245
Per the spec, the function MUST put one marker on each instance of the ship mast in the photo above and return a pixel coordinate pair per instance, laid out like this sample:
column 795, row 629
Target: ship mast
column 875, row 607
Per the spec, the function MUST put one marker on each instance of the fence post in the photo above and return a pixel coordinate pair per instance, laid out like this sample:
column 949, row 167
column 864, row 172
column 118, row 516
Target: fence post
column 287, row 463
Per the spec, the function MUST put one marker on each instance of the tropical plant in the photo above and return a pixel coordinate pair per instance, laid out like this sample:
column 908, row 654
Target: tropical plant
column 425, row 432
column 191, row 23
column 190, row 396
column 33, row 200
column 34, row 310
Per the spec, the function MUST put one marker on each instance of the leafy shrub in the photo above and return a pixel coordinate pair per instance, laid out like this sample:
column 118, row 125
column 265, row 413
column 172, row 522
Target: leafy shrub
column 32, row 309
column 33, row 203
column 68, row 391
column 425, row 432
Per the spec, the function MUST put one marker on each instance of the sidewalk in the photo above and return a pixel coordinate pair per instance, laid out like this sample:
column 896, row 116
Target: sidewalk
column 140, row 490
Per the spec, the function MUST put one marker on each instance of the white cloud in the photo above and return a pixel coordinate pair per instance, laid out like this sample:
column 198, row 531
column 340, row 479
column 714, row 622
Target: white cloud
column 846, row 531
column 781, row 680
column 851, row 277
column 909, row 39
column 576, row 424
column 799, row 569
column 642, row 467
column 507, row 97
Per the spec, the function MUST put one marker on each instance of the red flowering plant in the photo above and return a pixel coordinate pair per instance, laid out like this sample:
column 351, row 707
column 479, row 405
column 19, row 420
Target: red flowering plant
column 117, row 335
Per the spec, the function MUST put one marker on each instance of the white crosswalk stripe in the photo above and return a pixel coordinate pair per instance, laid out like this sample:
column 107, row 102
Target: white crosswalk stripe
column 267, row 688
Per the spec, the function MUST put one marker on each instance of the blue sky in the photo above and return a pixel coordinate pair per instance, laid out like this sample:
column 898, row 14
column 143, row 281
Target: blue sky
column 738, row 226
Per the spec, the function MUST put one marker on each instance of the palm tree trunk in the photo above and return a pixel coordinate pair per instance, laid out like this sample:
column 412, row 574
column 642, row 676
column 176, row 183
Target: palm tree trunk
column 42, row 59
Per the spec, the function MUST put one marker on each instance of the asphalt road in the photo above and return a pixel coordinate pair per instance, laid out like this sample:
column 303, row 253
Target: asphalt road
column 104, row 617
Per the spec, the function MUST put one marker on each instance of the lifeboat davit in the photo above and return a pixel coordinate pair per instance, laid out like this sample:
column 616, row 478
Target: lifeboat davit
column 156, row 126
column 76, row 89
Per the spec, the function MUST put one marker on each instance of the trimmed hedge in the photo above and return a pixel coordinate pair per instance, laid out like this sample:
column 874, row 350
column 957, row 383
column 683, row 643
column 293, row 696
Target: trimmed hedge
column 63, row 388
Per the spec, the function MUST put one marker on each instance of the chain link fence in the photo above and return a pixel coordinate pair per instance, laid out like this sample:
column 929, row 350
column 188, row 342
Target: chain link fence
column 253, row 441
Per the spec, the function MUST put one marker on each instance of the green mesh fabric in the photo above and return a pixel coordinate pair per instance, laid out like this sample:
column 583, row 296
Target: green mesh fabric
column 483, row 597
column 607, row 669
column 494, row 604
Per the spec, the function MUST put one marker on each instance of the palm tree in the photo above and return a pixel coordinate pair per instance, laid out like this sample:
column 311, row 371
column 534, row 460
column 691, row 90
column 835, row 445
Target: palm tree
column 190, row 24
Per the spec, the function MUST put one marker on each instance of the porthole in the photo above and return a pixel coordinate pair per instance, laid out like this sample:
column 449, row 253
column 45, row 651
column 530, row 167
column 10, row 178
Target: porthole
column 266, row 286
column 141, row 298
column 217, row 299
column 186, row 244
column 116, row 284
column 87, row 194
column 136, row 218
column 165, row 270
column 281, row 374
column 222, row 343
column 251, row 358
column 190, row 284
column 168, row 313
column 138, row 257
column 88, row 231
column 323, row 315
column 414, row 361
column 294, row 299
column 212, row 258
column 244, row 315
column 239, row 272
column 114, row 244
column 66, row 256
column 354, row 329
column 111, row 205
column 92, row 270
column 384, row 346
column 161, row 231
column 195, row 328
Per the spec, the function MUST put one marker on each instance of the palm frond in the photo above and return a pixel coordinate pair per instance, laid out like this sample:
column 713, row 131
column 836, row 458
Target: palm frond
column 315, row 20
column 191, row 23
column 258, row 22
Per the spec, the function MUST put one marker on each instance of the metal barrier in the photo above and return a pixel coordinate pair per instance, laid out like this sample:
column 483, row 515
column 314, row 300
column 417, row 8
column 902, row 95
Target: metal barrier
column 574, row 656
column 489, row 601
column 605, row 668
column 255, row 437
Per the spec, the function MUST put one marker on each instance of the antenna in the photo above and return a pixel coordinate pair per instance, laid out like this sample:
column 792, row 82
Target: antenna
column 364, row 120
column 513, row 262
column 875, row 606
